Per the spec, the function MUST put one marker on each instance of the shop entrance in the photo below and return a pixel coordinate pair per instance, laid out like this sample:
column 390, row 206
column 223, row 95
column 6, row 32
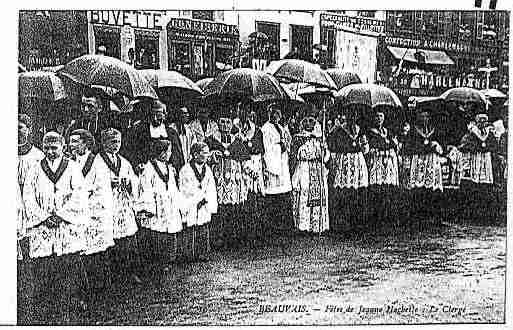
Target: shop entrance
column 147, row 50
column 301, row 38
column 109, row 37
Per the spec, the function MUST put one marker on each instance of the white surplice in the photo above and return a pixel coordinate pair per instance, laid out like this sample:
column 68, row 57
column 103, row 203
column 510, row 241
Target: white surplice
column 276, row 162
column 162, row 200
column 124, row 207
column 66, row 198
column 194, row 191
column 99, row 233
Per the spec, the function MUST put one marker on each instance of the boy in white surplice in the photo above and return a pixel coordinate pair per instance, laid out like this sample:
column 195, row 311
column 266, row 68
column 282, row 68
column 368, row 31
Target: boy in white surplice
column 159, row 204
column 56, row 207
column 123, row 183
column 99, row 234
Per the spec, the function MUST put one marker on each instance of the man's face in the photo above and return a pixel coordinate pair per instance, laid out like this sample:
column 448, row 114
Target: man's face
column 379, row 119
column 113, row 145
column 23, row 133
column 202, row 156
column 157, row 117
column 275, row 116
column 481, row 122
column 225, row 124
column 52, row 150
column 309, row 124
column 77, row 145
column 185, row 115
column 90, row 106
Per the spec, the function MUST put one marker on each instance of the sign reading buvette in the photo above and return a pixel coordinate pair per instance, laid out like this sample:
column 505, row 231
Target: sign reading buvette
column 135, row 18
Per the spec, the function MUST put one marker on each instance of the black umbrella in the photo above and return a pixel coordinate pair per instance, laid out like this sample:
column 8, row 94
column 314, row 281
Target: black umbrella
column 343, row 78
column 244, row 83
column 109, row 72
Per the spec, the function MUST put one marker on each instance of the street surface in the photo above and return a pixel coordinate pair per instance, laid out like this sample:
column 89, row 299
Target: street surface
column 452, row 273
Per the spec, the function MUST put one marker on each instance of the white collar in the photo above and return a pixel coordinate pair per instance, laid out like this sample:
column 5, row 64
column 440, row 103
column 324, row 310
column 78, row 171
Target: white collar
column 477, row 132
column 81, row 159
column 159, row 131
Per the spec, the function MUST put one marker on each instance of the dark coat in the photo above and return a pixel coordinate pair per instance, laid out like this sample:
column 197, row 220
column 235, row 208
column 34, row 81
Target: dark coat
column 137, row 146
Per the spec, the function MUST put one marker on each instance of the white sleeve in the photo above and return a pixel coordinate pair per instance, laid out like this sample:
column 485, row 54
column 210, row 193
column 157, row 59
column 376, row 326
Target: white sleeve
column 35, row 214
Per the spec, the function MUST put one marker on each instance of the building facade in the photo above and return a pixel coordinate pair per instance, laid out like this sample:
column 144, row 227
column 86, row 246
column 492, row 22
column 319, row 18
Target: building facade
column 424, row 53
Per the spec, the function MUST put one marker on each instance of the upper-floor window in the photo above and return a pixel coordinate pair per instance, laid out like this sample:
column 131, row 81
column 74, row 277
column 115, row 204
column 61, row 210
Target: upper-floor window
column 207, row 15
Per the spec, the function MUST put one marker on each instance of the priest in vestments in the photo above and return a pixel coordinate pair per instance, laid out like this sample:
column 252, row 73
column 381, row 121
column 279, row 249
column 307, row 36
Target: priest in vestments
column 198, row 187
column 309, row 181
column 203, row 126
column 56, row 206
column 228, row 155
column 124, row 184
column 99, row 234
column 278, row 203
column 246, row 130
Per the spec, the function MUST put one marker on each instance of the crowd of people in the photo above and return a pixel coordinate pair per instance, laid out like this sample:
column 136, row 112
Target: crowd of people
column 100, row 203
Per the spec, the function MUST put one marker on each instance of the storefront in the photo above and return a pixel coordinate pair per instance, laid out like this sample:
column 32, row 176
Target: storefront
column 200, row 48
column 415, row 67
column 50, row 38
column 352, row 43
column 136, row 37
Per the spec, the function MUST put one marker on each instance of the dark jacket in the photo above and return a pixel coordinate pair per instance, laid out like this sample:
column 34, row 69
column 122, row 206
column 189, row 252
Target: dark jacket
column 137, row 146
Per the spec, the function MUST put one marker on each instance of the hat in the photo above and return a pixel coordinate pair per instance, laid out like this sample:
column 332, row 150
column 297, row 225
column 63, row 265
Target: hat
column 159, row 146
column 157, row 105
column 197, row 147
column 25, row 119
column 108, row 134
column 85, row 135
column 52, row 137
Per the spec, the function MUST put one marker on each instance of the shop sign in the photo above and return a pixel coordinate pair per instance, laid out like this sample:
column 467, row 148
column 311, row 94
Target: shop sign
column 435, row 44
column 134, row 18
column 197, row 26
column 200, row 37
column 352, row 24
column 431, row 84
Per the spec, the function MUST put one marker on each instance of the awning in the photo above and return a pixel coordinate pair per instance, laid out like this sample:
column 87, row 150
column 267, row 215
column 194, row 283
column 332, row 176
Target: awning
column 430, row 56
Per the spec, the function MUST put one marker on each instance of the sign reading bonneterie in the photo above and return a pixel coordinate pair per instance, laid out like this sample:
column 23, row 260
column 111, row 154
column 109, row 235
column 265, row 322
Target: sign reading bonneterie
column 197, row 26
column 145, row 19
column 351, row 23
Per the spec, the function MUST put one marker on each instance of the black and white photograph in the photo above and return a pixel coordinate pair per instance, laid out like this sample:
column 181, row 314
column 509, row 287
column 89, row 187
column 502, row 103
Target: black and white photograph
column 262, row 167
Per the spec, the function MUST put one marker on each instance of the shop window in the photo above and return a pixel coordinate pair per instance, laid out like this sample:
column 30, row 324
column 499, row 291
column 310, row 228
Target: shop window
column 224, row 54
column 109, row 37
column 181, row 59
column 302, row 41
column 207, row 15
column 146, row 50
column 272, row 31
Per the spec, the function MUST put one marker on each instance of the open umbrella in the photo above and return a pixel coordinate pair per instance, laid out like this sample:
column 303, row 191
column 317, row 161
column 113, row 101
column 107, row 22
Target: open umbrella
column 343, row 78
column 245, row 83
column 172, row 84
column 110, row 72
column 370, row 95
column 494, row 94
column 258, row 36
column 463, row 95
column 292, row 70
column 41, row 85
column 294, row 96
column 202, row 83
